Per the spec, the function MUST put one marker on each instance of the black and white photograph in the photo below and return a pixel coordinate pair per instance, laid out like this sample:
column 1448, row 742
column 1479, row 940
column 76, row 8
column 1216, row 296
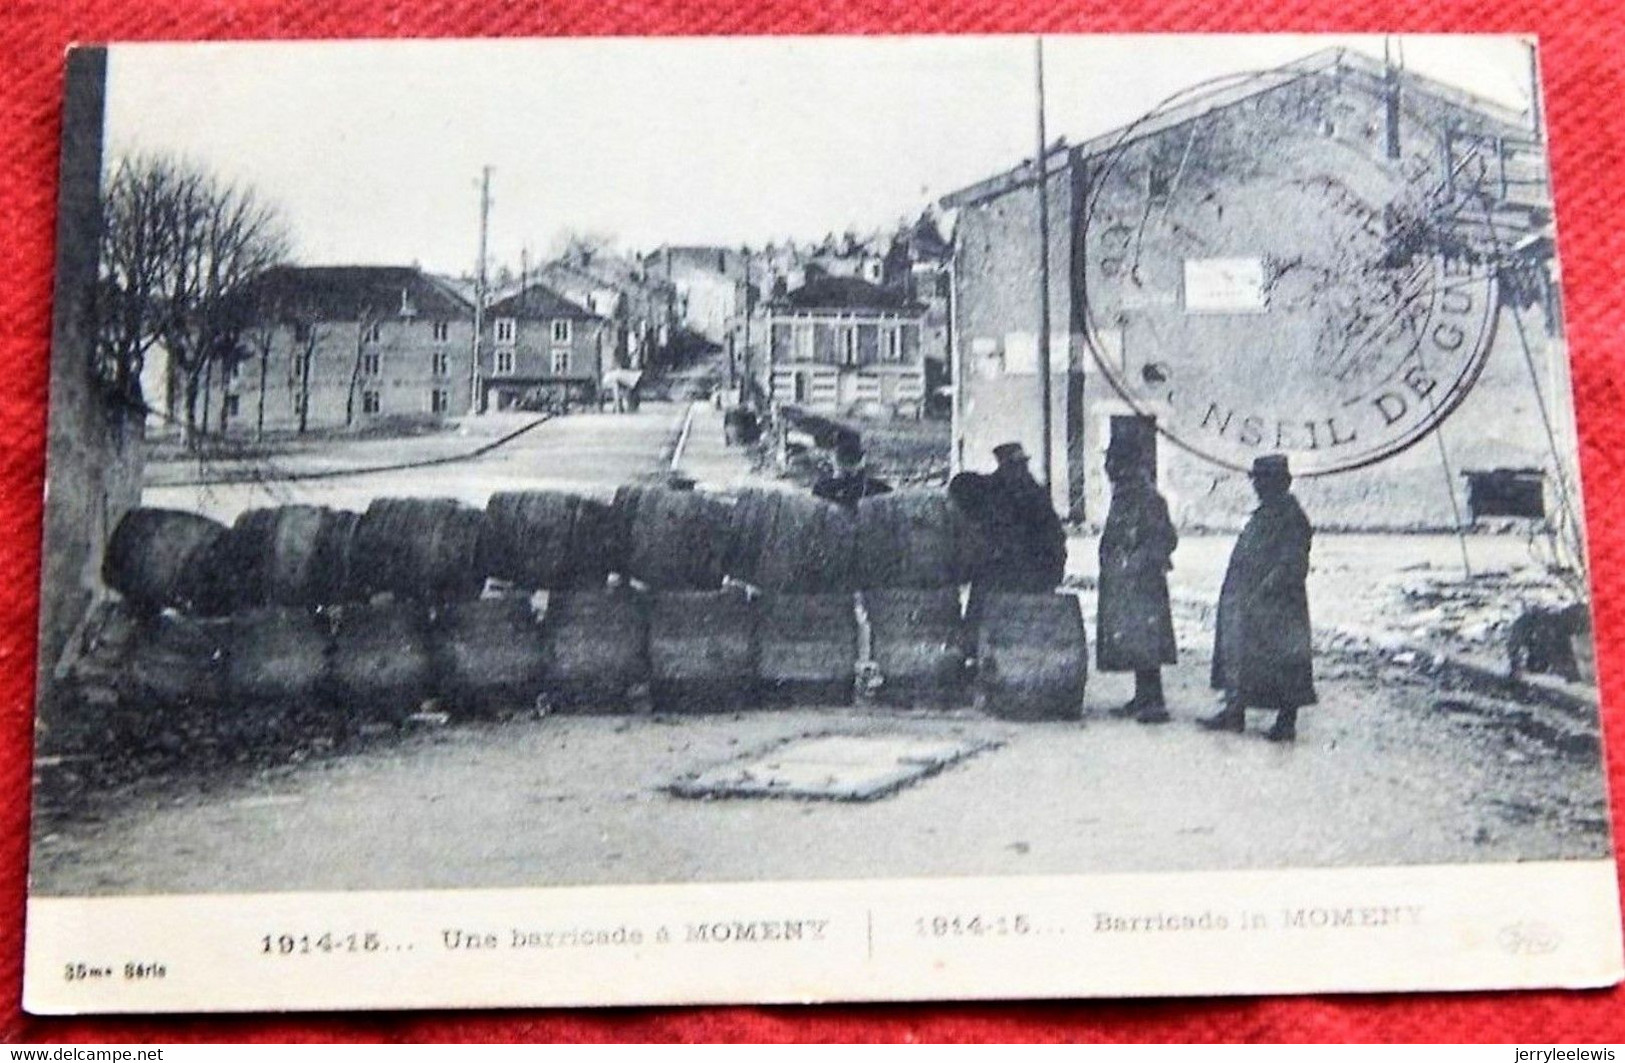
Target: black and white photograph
column 630, row 520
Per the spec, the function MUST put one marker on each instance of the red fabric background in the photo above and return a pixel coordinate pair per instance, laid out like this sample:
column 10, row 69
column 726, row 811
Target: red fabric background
column 1585, row 84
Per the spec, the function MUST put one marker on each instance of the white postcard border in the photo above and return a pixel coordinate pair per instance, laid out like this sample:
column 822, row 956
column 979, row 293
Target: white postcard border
column 1456, row 927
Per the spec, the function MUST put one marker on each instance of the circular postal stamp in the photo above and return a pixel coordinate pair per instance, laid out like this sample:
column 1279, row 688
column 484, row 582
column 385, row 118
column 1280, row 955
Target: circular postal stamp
column 1277, row 273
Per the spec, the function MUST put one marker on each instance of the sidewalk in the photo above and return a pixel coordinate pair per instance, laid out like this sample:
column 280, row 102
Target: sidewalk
column 702, row 453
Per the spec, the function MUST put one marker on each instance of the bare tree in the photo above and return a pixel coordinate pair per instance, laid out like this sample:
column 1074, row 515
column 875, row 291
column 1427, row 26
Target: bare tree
column 580, row 246
column 366, row 321
column 179, row 247
column 139, row 238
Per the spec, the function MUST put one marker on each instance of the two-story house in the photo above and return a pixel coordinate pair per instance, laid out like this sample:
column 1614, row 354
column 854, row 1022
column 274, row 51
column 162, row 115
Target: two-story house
column 640, row 311
column 843, row 345
column 336, row 346
column 541, row 349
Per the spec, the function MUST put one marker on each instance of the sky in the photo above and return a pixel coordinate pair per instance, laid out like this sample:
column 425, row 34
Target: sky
column 372, row 150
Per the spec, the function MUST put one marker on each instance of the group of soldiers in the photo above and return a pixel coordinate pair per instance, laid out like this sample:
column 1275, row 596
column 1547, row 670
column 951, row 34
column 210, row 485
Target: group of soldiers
column 1261, row 656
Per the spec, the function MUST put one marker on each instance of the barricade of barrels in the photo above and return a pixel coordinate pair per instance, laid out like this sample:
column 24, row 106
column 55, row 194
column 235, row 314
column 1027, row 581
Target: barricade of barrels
column 707, row 602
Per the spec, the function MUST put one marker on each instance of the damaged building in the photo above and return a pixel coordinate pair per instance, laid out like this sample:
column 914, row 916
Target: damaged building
column 1327, row 260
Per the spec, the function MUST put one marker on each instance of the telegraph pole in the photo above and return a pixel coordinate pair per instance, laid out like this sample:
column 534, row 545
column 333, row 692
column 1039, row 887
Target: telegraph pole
column 1041, row 184
column 479, row 292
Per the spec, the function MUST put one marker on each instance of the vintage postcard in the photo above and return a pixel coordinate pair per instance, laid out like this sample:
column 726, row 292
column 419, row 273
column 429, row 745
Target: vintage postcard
column 618, row 521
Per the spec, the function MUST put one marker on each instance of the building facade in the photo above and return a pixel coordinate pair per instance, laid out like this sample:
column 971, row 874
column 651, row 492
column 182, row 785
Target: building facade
column 542, row 350
column 640, row 312
column 1294, row 231
column 329, row 347
column 708, row 282
column 844, row 346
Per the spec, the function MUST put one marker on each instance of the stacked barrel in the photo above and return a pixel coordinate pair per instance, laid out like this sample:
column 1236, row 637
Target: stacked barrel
column 300, row 614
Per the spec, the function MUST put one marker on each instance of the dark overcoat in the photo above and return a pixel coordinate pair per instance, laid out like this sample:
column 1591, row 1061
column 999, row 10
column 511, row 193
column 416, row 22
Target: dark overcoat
column 1134, row 626
column 1021, row 545
column 849, row 490
column 1261, row 652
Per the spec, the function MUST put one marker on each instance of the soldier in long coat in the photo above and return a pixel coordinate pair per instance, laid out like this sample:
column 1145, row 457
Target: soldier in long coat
column 1135, row 627
column 1021, row 546
column 1024, row 548
column 1262, row 657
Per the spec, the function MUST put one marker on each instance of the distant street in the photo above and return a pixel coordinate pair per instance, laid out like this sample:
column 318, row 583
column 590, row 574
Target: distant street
column 591, row 453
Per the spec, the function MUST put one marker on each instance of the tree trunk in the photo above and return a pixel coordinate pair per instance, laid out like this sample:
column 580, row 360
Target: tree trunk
column 208, row 393
column 304, row 383
column 265, row 367
column 355, row 371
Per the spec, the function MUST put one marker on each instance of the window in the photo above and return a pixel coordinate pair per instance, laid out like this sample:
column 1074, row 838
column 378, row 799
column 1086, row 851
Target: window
column 441, row 330
column 232, row 406
column 505, row 329
column 849, row 345
column 439, row 400
column 442, row 363
column 371, row 332
column 234, row 375
column 302, row 331
column 371, row 364
column 804, row 346
column 370, row 402
column 504, row 363
column 561, row 330
column 561, row 362
column 891, row 344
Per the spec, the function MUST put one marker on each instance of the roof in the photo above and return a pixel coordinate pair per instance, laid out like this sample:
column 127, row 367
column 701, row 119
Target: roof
column 846, row 293
column 724, row 260
column 1060, row 155
column 538, row 301
column 607, row 271
column 343, row 293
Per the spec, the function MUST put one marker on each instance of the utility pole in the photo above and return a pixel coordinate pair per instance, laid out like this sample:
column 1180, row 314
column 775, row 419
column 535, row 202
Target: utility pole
column 1041, row 184
column 479, row 292
column 1536, row 129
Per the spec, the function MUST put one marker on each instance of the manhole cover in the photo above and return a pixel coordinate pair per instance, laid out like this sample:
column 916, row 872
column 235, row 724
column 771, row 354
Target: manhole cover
column 833, row 767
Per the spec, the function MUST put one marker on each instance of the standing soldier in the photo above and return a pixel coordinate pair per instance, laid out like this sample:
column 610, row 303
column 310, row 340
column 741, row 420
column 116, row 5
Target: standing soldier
column 1135, row 627
column 1025, row 548
column 1261, row 654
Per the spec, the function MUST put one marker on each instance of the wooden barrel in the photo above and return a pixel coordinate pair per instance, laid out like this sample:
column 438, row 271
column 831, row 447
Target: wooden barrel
column 547, row 540
column 171, row 684
column 917, row 646
column 165, row 558
column 380, row 667
column 807, row 648
column 293, row 555
column 909, row 540
column 488, row 655
column 1032, row 657
column 427, row 549
column 595, row 648
column 791, row 543
column 276, row 654
column 670, row 539
column 702, row 651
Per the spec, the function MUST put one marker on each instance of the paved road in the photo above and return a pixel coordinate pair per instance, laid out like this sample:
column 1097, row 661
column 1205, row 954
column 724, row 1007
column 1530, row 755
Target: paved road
column 587, row 452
